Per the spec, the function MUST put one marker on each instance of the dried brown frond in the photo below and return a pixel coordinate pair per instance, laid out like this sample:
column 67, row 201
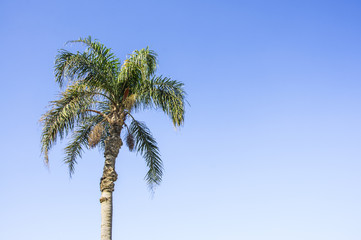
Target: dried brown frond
column 130, row 142
column 95, row 135
column 126, row 93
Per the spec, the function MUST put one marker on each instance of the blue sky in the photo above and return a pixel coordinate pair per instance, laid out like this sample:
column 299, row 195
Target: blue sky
column 271, row 143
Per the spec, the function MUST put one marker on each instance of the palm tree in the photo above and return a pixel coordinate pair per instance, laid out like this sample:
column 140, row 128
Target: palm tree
column 97, row 107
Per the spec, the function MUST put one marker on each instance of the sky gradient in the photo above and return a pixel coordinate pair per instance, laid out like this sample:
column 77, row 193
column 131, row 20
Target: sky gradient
column 270, row 149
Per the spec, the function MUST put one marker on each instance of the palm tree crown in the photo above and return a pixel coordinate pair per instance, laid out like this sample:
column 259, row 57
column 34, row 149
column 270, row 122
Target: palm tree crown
column 97, row 104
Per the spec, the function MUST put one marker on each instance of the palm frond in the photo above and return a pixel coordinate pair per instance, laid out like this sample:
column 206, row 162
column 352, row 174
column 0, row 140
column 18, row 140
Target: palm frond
column 102, row 55
column 146, row 145
column 166, row 94
column 137, row 68
column 64, row 114
column 96, row 67
column 72, row 65
column 146, row 60
column 100, row 50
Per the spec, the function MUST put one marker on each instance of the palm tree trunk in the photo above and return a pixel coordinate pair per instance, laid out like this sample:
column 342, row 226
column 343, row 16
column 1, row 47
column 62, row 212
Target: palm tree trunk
column 106, row 201
column 112, row 146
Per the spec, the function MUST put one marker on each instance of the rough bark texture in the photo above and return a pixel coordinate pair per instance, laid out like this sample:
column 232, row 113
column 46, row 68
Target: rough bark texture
column 112, row 146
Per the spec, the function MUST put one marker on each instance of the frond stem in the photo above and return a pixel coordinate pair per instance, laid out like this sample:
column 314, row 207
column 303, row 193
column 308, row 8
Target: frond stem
column 100, row 113
column 101, row 94
column 130, row 115
column 127, row 126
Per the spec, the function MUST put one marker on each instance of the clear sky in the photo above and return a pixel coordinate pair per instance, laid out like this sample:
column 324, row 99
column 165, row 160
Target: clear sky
column 271, row 146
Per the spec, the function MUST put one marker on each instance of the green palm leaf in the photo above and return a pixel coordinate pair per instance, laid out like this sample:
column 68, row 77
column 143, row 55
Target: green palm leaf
column 166, row 94
column 146, row 145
